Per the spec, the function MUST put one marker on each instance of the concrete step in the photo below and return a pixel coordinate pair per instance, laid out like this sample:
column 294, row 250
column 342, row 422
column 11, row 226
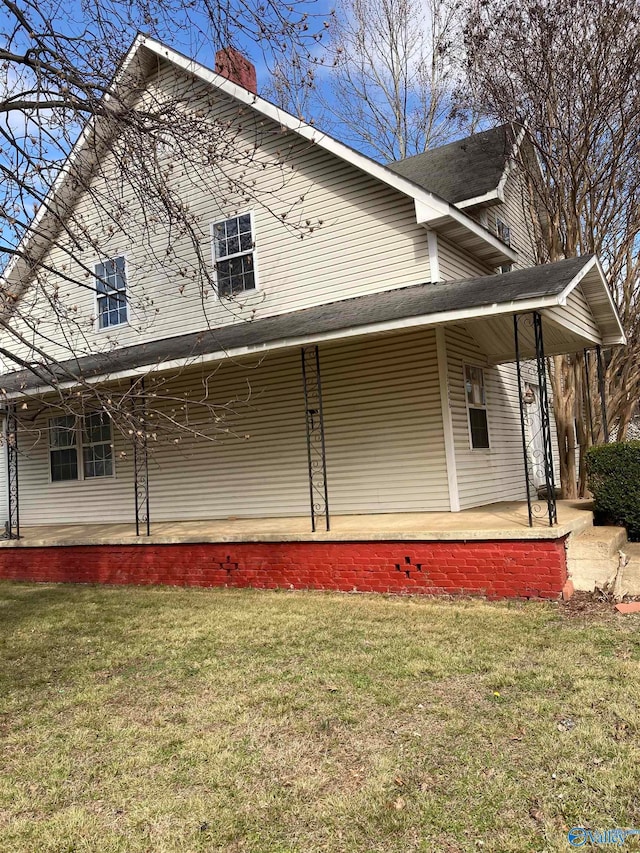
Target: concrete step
column 597, row 542
column 587, row 574
column 632, row 572
column 592, row 556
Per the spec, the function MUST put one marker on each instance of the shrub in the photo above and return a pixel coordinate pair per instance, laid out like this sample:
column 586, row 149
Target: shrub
column 613, row 472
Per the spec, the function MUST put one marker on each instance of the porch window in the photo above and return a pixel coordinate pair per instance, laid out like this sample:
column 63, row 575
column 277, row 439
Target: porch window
column 476, row 407
column 234, row 251
column 97, row 447
column 80, row 448
column 63, row 448
column 111, row 293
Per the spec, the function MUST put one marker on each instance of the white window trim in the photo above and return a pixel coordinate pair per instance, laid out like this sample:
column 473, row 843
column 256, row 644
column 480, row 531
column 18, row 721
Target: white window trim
column 79, row 445
column 96, row 307
column 256, row 275
column 485, row 408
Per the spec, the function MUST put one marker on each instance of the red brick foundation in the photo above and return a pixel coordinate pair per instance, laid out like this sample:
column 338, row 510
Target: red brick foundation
column 497, row 569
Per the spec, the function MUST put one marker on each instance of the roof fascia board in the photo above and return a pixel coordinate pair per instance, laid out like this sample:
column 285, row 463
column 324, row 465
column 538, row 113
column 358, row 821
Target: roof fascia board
column 575, row 281
column 593, row 264
column 511, row 162
column 428, row 214
column 59, row 189
column 488, row 198
column 612, row 304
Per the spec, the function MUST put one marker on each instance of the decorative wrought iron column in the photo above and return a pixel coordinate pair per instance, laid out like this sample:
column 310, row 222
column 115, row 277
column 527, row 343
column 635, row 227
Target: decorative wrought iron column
column 523, row 426
column 316, row 451
column 140, row 458
column 545, row 454
column 545, row 417
column 603, row 399
column 11, row 437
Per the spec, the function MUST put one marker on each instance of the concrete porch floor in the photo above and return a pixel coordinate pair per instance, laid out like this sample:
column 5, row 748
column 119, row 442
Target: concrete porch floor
column 506, row 520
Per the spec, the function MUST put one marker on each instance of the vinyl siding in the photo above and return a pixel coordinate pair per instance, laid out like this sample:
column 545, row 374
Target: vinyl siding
column 457, row 264
column 361, row 237
column 515, row 212
column 496, row 474
column 576, row 315
column 385, row 445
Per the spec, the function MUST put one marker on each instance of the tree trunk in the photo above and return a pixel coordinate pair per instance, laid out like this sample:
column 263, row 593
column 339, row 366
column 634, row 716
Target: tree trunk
column 564, row 413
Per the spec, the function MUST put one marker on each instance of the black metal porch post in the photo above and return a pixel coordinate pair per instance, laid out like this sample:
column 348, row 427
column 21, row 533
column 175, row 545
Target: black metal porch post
column 603, row 400
column 316, row 451
column 140, row 459
column 546, row 420
column 13, row 522
column 523, row 429
column 587, row 377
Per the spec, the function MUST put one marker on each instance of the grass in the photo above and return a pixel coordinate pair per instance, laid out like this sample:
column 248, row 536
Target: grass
column 218, row 720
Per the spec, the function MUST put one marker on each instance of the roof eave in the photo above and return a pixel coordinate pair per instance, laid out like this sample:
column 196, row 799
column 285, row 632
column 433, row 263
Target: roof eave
column 593, row 269
column 494, row 196
column 478, row 239
column 440, row 318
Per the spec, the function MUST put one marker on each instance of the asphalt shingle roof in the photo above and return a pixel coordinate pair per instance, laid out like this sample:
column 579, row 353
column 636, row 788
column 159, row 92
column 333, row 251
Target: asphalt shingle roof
column 403, row 303
column 461, row 170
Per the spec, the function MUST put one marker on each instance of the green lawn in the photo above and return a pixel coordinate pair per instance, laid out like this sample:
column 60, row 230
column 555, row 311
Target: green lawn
column 190, row 720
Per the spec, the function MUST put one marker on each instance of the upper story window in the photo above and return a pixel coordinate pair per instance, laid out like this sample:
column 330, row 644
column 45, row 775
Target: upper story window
column 80, row 448
column 503, row 231
column 476, row 407
column 234, row 251
column 111, row 291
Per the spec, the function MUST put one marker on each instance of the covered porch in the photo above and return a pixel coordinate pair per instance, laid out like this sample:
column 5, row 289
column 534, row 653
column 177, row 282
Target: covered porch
column 507, row 520
column 360, row 470
column 489, row 551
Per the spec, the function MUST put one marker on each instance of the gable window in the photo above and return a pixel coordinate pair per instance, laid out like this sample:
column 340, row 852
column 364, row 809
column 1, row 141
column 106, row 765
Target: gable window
column 476, row 407
column 80, row 448
column 233, row 248
column 111, row 292
column 503, row 231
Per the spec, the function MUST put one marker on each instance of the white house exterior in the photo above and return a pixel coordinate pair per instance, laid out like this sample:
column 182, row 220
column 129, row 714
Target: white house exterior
column 396, row 285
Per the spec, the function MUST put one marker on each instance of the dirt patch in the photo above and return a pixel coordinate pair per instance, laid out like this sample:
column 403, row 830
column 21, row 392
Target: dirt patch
column 588, row 605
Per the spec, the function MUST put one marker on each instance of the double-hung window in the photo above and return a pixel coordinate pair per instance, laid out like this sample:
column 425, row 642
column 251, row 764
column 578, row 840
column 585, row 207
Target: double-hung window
column 476, row 407
column 97, row 448
column 111, row 292
column 234, row 254
column 80, row 447
column 63, row 448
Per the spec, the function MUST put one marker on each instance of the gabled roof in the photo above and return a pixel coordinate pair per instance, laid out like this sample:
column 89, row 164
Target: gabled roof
column 432, row 211
column 465, row 170
column 534, row 288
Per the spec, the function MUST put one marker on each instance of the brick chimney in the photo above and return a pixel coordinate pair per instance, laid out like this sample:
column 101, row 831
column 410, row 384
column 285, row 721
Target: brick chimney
column 230, row 63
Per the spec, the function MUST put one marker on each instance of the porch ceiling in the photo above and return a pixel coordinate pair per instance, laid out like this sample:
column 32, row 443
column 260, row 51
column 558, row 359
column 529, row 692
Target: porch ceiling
column 495, row 337
column 574, row 318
